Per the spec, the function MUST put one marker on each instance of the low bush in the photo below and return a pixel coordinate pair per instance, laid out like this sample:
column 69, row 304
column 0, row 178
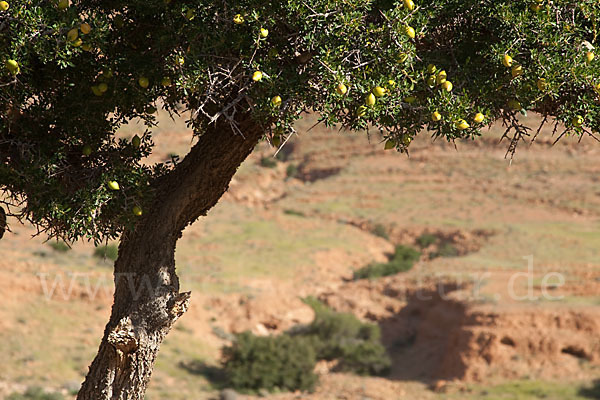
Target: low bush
column 268, row 162
column 402, row 260
column 287, row 361
column 380, row 231
column 343, row 337
column 110, row 251
column 59, row 246
column 273, row 363
column 426, row 240
column 291, row 171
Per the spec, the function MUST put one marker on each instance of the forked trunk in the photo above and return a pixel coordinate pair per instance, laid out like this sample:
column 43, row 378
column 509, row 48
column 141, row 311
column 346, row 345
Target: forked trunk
column 147, row 301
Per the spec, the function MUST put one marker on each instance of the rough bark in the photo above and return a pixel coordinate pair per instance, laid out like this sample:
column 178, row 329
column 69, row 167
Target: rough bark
column 147, row 301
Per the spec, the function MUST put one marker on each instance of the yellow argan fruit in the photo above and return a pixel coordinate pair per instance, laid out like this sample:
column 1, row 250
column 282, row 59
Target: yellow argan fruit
column 238, row 19
column 86, row 150
column 72, row 35
column 113, row 185
column 12, row 66
column 276, row 101
column 514, row 105
column 577, row 121
column 409, row 4
column 516, row 70
column 589, row 57
column 378, row 91
column 144, row 82
column 370, row 100
column 542, row 84
column 441, row 77
column 341, row 89
column 461, row 125
column 85, row 28
column 96, row 91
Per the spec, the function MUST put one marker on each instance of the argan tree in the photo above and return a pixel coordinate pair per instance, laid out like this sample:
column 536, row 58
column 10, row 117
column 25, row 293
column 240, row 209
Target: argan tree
column 74, row 72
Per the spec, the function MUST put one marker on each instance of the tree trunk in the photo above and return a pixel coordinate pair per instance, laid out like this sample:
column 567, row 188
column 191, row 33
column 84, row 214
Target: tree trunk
column 147, row 301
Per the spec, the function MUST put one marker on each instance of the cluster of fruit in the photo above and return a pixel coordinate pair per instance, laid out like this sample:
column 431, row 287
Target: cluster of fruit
column 399, row 67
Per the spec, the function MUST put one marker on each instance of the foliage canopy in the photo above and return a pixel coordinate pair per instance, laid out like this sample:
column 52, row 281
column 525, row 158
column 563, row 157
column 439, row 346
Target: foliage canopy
column 75, row 72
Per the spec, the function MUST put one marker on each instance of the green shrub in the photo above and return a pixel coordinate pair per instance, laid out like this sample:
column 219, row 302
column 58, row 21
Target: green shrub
column 109, row 251
column 277, row 362
column 402, row 260
column 268, row 162
column 426, row 240
column 35, row 393
column 343, row 337
column 291, row 171
column 380, row 231
column 446, row 250
column 287, row 361
column 365, row 358
column 59, row 246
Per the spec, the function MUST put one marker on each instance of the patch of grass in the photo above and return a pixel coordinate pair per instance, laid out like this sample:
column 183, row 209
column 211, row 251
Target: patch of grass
column 59, row 246
column 402, row 260
column 426, row 240
column 380, row 231
column 446, row 250
column 295, row 213
column 527, row 390
column 268, row 162
column 35, row 393
column 110, row 252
